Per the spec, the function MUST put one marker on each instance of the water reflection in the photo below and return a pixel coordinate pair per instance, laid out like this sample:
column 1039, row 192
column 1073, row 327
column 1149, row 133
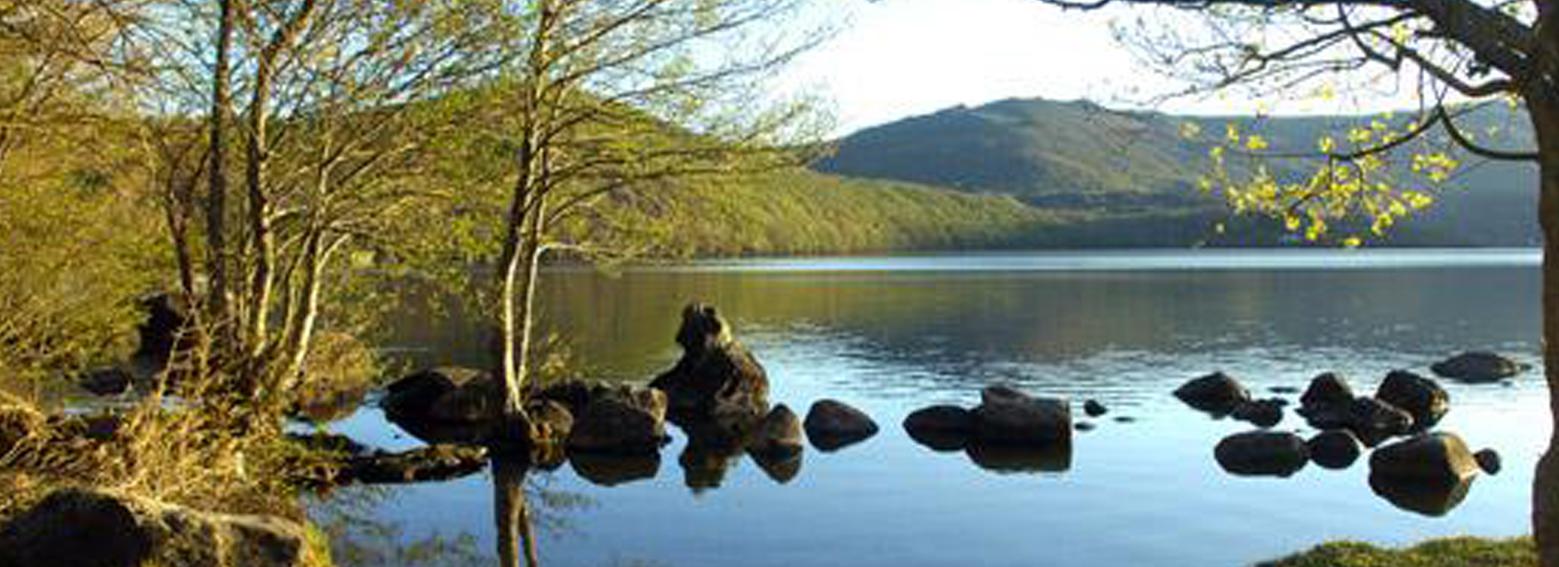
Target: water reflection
column 1424, row 497
column 1055, row 458
column 516, row 535
column 612, row 470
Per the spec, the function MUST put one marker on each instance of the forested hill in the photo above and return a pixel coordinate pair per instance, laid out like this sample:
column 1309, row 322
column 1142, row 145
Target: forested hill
column 1109, row 165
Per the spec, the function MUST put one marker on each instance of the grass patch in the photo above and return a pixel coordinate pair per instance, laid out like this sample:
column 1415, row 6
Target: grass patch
column 1448, row 552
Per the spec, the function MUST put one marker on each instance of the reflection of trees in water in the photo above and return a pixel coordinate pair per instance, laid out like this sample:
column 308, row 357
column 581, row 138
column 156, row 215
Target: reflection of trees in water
column 522, row 502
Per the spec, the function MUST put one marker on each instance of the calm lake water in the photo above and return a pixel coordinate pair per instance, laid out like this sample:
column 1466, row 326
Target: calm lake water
column 893, row 334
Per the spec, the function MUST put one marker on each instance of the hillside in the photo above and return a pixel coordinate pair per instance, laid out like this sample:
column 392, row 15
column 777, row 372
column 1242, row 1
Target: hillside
column 1116, row 165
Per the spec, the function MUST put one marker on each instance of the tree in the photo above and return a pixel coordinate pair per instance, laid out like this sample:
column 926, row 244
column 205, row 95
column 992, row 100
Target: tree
column 1461, row 53
column 613, row 96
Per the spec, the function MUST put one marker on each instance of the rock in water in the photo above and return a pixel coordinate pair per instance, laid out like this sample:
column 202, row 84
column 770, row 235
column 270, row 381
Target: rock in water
column 1429, row 473
column 1478, row 367
column 1334, row 449
column 1262, row 453
column 1328, row 389
column 434, row 462
column 831, row 424
column 1440, row 458
column 942, row 428
column 1216, row 393
column 447, row 394
column 1421, row 397
column 1094, row 409
column 1006, row 416
column 716, row 374
column 1488, row 460
column 92, row 528
column 624, row 420
column 1262, row 413
column 778, row 434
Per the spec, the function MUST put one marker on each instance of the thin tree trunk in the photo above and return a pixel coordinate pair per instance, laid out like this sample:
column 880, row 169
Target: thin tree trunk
column 1545, row 485
column 264, row 241
column 216, row 197
column 514, row 250
column 516, row 537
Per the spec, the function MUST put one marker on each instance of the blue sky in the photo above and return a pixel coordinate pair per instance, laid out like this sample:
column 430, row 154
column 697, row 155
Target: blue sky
column 896, row 58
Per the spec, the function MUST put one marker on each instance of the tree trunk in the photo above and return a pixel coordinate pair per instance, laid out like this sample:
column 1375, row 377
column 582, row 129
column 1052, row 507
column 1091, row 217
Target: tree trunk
column 516, row 538
column 216, row 197
column 1544, row 109
column 509, row 268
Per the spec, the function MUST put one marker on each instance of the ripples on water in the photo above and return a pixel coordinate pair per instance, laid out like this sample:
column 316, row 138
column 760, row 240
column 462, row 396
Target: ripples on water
column 890, row 335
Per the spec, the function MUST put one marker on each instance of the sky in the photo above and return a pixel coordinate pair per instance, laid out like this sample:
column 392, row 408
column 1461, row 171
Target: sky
column 896, row 58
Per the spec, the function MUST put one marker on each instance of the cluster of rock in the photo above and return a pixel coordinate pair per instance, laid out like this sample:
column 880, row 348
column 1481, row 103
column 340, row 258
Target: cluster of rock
column 1009, row 430
column 1427, row 472
column 717, row 392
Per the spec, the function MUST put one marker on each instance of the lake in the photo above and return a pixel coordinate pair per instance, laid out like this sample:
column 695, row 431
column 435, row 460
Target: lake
column 893, row 334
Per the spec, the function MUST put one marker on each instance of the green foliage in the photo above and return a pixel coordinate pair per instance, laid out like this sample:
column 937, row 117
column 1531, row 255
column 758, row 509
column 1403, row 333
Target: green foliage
column 1448, row 552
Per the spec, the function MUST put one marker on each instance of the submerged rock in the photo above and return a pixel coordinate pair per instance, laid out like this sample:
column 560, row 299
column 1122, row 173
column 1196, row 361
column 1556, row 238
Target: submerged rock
column 778, row 434
column 1421, row 397
column 431, row 463
column 604, row 469
column 1262, row 453
column 1334, row 449
column 1007, row 416
column 92, row 528
column 1262, row 413
column 622, row 420
column 1488, row 460
column 1215, row 393
column 1092, row 408
column 1478, row 367
column 716, row 374
column 831, row 425
column 940, row 427
column 1055, row 457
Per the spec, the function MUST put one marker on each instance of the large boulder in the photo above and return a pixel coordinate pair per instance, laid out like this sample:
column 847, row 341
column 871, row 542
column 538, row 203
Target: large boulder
column 778, row 434
column 447, row 394
column 1007, row 416
column 1429, row 473
column 832, row 424
column 101, row 529
column 716, row 374
column 1417, row 395
column 1262, row 453
column 1215, row 393
column 621, row 420
column 1370, row 419
column 1434, row 458
column 1326, row 390
column 1478, row 367
column 940, row 427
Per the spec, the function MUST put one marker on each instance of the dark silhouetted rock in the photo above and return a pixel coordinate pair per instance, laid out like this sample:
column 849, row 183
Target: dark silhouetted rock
column 1084, row 426
column 1215, row 393
column 1326, row 390
column 1262, row 413
column 1334, row 449
column 1428, row 473
column 1488, row 460
column 832, row 424
column 604, row 469
column 1007, row 416
column 101, row 529
column 1421, row 397
column 434, row 462
column 1283, row 390
column 778, row 434
column 1092, row 408
column 621, row 420
column 110, row 381
column 1478, row 367
column 942, row 427
column 1370, row 419
column 781, row 467
column 552, row 420
column 1055, row 457
column 448, row 394
column 1125, row 419
column 1432, row 457
column 573, row 394
column 716, row 374
column 1262, row 453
